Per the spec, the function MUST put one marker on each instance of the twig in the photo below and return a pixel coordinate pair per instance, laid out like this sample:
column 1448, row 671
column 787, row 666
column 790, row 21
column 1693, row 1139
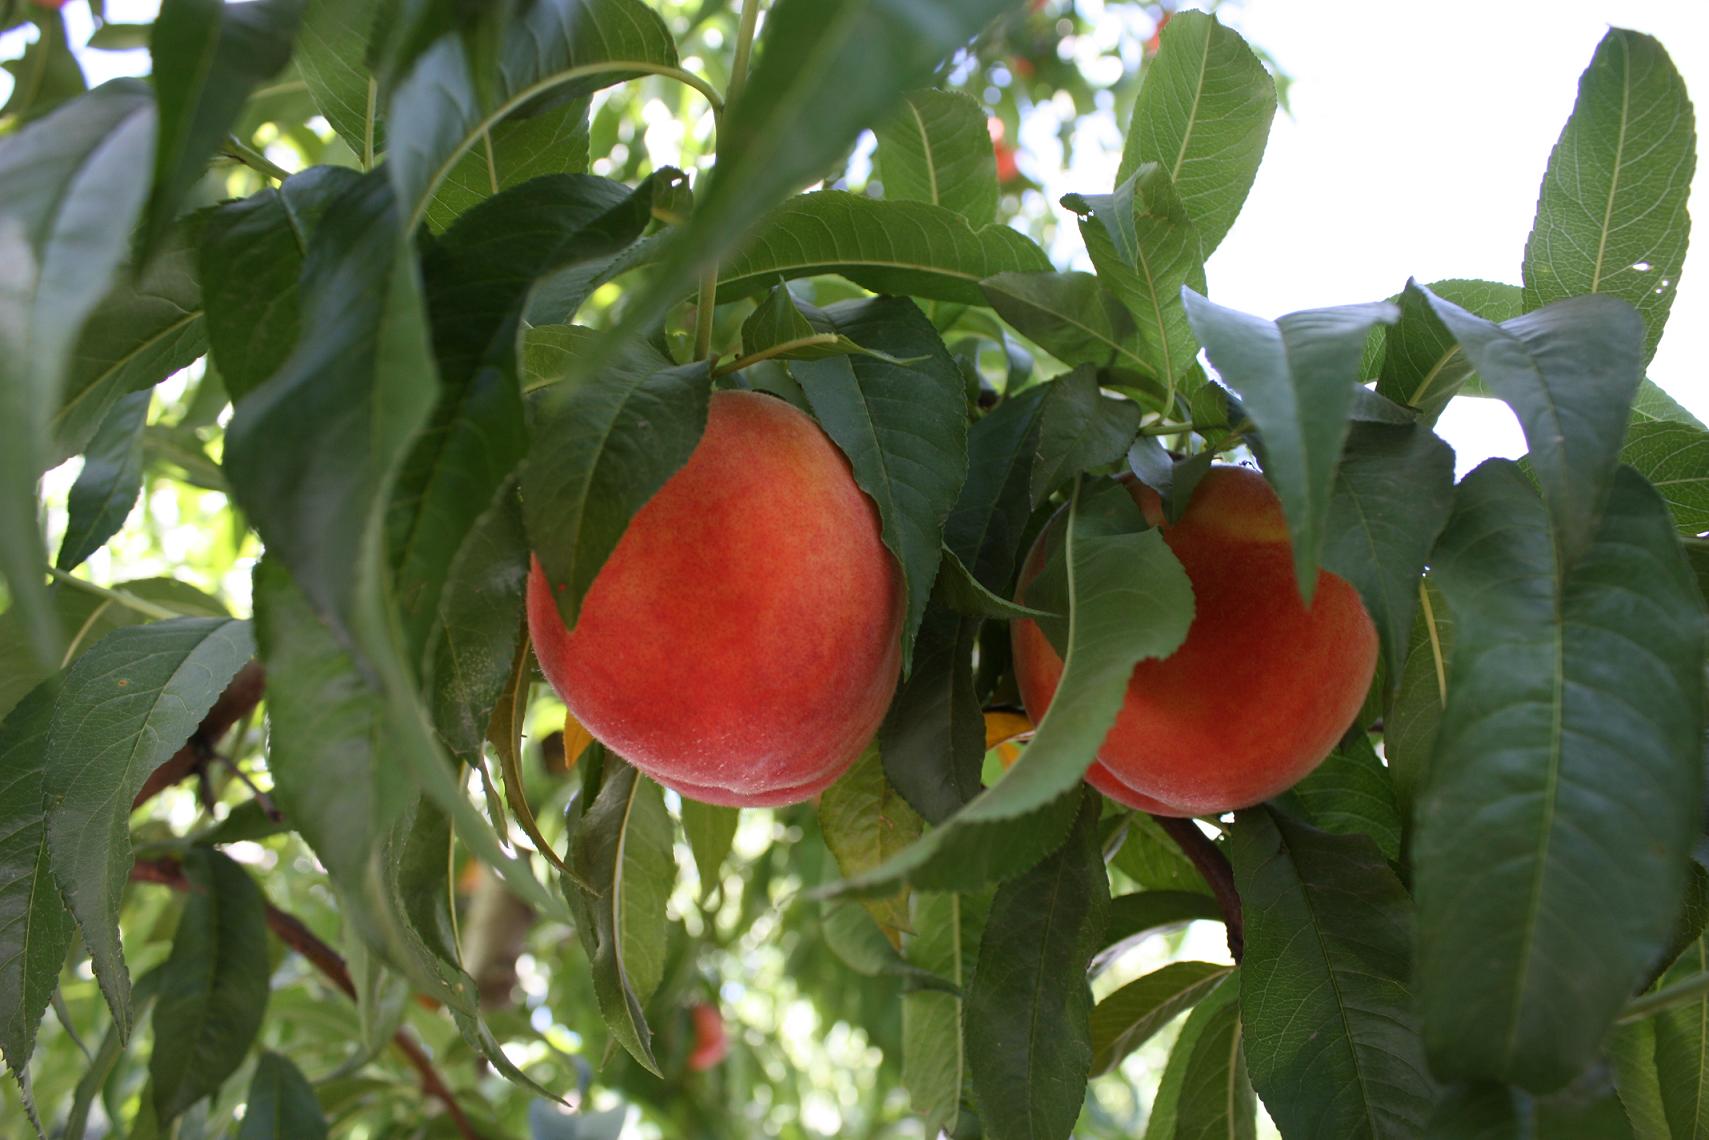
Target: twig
column 240, row 151
column 1214, row 866
column 1688, row 989
column 268, row 807
column 129, row 601
column 290, row 930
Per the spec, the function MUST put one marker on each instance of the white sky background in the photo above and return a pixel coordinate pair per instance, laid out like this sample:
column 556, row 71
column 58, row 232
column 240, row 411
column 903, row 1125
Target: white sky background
column 1418, row 139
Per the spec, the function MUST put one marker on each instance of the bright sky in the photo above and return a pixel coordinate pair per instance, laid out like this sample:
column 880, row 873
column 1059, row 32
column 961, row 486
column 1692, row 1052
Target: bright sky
column 1419, row 135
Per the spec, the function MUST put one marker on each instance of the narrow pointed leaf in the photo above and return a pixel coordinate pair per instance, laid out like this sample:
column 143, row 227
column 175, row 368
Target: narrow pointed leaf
column 1203, row 115
column 281, row 1104
column 1332, row 1044
column 126, row 705
column 986, row 527
column 934, row 148
column 1413, row 712
column 933, row 1052
column 1204, row 1093
column 933, row 736
column 1674, row 457
column 1574, row 720
column 960, row 591
column 1073, row 316
column 1682, row 1050
column 109, row 483
column 1128, row 1018
column 331, row 57
column 1351, row 793
column 1136, row 915
column 865, row 821
column 1297, row 378
column 1029, row 1046
column 1611, row 214
column 1080, row 429
column 513, row 152
column 711, row 832
column 1423, row 366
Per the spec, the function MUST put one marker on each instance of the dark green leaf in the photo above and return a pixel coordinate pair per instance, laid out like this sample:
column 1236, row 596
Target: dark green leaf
column 1127, row 1018
column 866, row 821
column 1154, row 861
column 988, row 522
column 1080, row 429
column 35, row 928
column 1414, row 711
column 1423, row 366
column 208, row 57
column 109, row 483
column 935, row 148
column 1146, row 250
column 1204, row 1093
column 1611, row 215
column 126, row 705
column 1297, row 378
column 933, row 1054
column 614, row 440
column 1029, row 1048
column 281, row 1104
column 622, row 846
column 933, row 736
column 1569, row 372
column 1073, row 316
column 711, row 831
column 251, row 257
column 1203, row 115
column 888, row 247
column 1133, row 916
column 1574, row 721
column 68, row 196
column 960, row 591
column 1674, row 457
column 213, row 986
column 903, row 428
column 1333, row 1046
column 518, row 149
column 1392, row 493
column 332, row 47
column 1350, row 793
column 564, row 48
column 1478, row 1112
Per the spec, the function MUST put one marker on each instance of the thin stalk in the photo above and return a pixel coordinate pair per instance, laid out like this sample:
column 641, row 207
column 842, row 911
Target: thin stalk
column 235, row 148
column 1680, row 993
column 129, row 601
column 707, row 301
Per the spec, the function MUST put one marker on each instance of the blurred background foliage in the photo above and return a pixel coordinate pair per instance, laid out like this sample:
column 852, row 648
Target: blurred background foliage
column 812, row 1034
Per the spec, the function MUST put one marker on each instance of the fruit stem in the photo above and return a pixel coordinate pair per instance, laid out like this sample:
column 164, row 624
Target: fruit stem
column 1208, row 859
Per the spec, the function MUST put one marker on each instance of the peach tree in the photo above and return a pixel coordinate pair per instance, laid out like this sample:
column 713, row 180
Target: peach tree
column 343, row 866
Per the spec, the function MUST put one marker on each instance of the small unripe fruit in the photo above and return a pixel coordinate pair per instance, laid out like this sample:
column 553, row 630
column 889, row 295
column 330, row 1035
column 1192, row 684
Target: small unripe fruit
column 1262, row 689
column 743, row 640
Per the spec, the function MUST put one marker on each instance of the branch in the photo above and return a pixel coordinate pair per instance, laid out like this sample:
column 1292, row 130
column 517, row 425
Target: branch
column 1214, row 866
column 240, row 696
column 290, row 930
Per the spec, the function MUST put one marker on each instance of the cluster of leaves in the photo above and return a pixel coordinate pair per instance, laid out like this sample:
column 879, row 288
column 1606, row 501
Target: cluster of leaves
column 415, row 409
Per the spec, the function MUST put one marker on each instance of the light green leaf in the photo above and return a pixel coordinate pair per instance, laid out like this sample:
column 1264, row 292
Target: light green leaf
column 865, row 821
column 1350, row 793
column 1674, row 457
column 1423, row 366
column 1128, row 1018
column 935, row 148
column 711, row 831
column 933, row 1052
column 1073, row 316
column 1204, row 1093
column 331, row 56
column 109, row 483
column 513, row 152
column 1682, row 1050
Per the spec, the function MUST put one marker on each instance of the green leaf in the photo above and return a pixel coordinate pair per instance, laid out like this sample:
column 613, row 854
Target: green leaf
column 1652, row 403
column 986, row 527
column 281, row 1104
column 1146, row 250
column 125, row 707
column 515, row 151
column 1203, row 115
column 911, row 248
column 1682, row 1049
column 616, row 438
column 1423, row 366
column 1080, row 429
column 1072, row 316
column 1350, row 793
column 622, row 845
column 711, row 831
column 1029, row 1047
column 35, row 928
column 935, row 148
column 1204, row 1093
column 865, row 821
column 1632, row 1057
column 109, row 483
column 1154, row 861
column 1574, row 722
column 933, row 736
column 1674, row 457
column 1333, row 1046
column 1390, row 499
column 1413, row 712
column 560, row 48
column 68, row 196
column 1569, row 372
column 1127, row 1018
column 331, row 56
column 1611, row 214
column 933, row 1052
column 777, row 329
column 213, row 986
column 1297, row 378
column 478, row 278
column 1481, row 1111
column 903, row 428
column 208, row 57
column 1133, row 916
column 47, row 74
column 960, row 591
column 143, row 330
column 250, row 261
column 1129, row 600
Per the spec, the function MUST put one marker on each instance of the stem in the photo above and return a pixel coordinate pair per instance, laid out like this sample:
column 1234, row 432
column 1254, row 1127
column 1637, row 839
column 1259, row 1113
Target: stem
column 290, row 930
column 744, row 48
column 129, row 601
column 707, row 301
column 1648, row 1005
column 1211, row 863
column 237, row 149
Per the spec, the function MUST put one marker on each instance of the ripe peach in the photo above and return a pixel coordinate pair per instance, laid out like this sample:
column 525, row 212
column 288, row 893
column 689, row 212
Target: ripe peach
column 743, row 640
column 1261, row 690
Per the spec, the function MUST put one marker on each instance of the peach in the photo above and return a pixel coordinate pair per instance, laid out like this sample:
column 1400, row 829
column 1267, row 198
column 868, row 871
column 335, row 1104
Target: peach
column 1261, row 690
column 742, row 642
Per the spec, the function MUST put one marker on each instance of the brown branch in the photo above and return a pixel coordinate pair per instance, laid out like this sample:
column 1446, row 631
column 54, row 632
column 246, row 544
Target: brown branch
column 1214, row 866
column 290, row 930
column 241, row 695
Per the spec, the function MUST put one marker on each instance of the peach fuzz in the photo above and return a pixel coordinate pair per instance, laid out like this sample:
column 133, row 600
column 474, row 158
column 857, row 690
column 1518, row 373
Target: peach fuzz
column 1262, row 689
column 742, row 642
